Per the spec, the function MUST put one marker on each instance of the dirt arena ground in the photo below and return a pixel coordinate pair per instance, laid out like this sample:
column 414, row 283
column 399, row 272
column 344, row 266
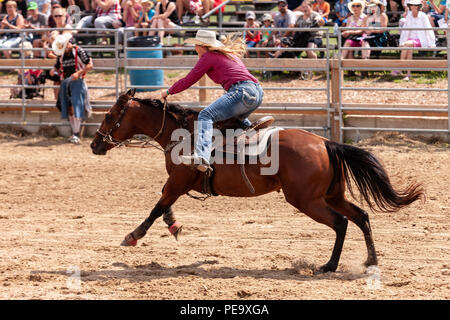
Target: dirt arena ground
column 64, row 212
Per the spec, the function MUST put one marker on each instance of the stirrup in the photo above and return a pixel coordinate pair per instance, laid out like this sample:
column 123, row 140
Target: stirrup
column 196, row 162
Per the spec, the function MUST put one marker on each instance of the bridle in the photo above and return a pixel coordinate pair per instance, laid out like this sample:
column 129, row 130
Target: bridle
column 107, row 137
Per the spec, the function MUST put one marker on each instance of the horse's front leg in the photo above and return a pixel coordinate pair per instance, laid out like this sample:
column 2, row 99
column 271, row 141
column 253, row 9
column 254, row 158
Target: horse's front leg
column 172, row 190
column 159, row 210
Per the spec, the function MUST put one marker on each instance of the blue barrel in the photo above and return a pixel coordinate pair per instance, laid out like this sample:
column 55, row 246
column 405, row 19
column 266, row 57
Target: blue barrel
column 145, row 77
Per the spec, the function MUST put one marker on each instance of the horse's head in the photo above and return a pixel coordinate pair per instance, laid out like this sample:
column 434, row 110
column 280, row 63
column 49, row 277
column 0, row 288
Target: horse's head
column 116, row 127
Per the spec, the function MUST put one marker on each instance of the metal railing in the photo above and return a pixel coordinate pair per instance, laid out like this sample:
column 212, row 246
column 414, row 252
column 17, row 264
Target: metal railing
column 121, row 63
column 342, row 104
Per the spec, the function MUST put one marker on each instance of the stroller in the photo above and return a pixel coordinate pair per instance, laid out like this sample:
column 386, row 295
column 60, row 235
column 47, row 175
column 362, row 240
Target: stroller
column 34, row 77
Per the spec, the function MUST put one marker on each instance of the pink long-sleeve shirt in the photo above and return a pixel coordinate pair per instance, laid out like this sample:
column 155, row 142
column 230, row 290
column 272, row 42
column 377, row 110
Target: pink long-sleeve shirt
column 221, row 69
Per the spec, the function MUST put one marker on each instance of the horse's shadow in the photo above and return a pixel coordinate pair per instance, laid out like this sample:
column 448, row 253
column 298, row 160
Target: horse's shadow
column 154, row 270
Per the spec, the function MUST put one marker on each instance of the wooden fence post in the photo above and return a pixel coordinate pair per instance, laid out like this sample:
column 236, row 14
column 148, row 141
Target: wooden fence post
column 335, row 121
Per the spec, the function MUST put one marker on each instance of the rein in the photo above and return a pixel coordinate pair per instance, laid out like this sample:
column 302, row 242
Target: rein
column 128, row 142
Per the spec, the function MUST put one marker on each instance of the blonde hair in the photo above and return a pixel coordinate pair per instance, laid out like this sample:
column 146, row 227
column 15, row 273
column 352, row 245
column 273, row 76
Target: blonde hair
column 63, row 11
column 234, row 45
column 11, row 3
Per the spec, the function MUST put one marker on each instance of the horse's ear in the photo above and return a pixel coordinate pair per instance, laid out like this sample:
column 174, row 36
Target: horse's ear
column 131, row 92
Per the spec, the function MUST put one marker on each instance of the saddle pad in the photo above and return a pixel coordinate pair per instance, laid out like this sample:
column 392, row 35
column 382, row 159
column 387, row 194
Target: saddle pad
column 253, row 143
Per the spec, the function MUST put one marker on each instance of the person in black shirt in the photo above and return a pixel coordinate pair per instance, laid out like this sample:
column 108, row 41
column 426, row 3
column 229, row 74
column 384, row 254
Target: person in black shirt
column 166, row 16
column 72, row 64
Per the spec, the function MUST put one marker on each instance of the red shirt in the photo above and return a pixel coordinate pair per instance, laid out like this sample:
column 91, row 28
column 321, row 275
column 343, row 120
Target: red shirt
column 221, row 69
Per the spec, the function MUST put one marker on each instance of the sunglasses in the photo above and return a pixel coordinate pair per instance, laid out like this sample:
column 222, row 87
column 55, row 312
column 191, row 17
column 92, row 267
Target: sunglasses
column 282, row 4
column 356, row 6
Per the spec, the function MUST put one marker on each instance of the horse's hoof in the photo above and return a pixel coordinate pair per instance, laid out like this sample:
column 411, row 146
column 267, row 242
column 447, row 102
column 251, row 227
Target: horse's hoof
column 327, row 268
column 175, row 229
column 129, row 241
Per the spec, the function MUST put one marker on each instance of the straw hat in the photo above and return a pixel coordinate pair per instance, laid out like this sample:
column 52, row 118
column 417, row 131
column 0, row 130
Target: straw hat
column 150, row 3
column 361, row 2
column 60, row 43
column 205, row 38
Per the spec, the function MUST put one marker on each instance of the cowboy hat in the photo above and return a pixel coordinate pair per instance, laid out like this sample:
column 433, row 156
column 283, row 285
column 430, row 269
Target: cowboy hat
column 360, row 2
column 60, row 43
column 150, row 3
column 205, row 38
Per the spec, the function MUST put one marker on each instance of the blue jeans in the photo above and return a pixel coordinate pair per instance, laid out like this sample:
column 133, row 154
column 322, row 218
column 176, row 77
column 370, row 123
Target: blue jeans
column 240, row 101
column 73, row 92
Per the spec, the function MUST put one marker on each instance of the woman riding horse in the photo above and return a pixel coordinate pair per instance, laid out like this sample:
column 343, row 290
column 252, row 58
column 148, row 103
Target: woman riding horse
column 313, row 172
column 221, row 62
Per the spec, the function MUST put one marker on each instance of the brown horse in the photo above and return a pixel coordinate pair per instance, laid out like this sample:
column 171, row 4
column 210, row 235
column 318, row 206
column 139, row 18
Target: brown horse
column 313, row 172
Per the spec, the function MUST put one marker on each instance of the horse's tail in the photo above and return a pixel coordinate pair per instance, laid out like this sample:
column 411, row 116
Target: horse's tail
column 370, row 178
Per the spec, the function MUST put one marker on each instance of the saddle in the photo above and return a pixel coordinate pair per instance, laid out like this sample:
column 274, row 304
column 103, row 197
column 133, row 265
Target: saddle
column 251, row 142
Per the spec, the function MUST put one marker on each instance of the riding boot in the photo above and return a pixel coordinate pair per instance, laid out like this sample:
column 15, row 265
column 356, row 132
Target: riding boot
column 199, row 163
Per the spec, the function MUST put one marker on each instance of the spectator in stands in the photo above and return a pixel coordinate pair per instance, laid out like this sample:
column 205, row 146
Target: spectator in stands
column 415, row 38
column 51, row 20
column 145, row 16
column 342, row 12
column 447, row 13
column 284, row 18
column 252, row 37
column 377, row 18
column 35, row 20
column 285, row 42
column 131, row 11
column 60, row 21
column 355, row 38
column 267, row 36
column 44, row 6
column 434, row 12
column 12, row 21
column 166, row 16
column 308, row 19
column 396, row 6
column 323, row 8
column 107, row 16
column 196, row 7
column 21, row 7
column 72, row 65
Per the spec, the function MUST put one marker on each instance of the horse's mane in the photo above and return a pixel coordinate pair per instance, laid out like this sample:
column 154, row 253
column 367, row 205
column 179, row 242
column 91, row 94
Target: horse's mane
column 171, row 107
column 179, row 113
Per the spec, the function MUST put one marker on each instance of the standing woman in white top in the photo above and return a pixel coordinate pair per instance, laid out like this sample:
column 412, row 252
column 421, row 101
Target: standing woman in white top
column 415, row 38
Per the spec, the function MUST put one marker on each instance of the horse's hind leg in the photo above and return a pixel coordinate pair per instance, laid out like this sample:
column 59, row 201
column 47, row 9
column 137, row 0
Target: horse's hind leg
column 320, row 212
column 361, row 219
